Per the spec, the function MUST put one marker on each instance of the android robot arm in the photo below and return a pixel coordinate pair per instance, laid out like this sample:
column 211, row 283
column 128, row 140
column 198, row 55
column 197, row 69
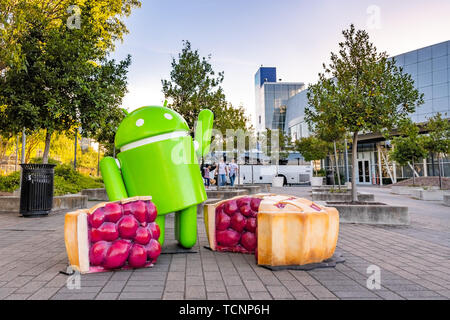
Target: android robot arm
column 112, row 177
column 203, row 132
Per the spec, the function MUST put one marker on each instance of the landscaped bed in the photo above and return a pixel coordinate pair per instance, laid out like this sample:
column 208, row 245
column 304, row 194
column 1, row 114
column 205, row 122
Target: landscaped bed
column 376, row 213
column 423, row 182
column 358, row 203
column 67, row 181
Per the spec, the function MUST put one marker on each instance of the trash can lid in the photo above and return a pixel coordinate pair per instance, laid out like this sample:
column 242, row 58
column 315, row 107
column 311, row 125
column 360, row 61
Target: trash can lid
column 31, row 166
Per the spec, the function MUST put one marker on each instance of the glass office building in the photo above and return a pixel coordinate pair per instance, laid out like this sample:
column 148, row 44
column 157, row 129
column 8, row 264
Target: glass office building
column 296, row 125
column 272, row 99
column 430, row 69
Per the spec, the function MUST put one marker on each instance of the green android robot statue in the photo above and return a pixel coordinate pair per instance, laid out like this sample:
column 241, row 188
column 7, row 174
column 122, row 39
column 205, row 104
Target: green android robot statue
column 158, row 158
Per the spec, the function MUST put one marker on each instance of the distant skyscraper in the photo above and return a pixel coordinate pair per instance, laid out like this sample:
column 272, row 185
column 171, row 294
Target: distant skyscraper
column 271, row 99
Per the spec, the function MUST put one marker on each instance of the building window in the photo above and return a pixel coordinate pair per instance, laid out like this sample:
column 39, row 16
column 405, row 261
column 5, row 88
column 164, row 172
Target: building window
column 259, row 119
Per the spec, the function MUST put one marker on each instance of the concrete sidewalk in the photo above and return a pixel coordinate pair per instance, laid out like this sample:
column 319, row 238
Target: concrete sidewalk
column 414, row 263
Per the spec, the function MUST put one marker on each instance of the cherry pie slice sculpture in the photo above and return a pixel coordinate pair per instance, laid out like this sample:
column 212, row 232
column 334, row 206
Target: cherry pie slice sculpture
column 280, row 230
column 115, row 235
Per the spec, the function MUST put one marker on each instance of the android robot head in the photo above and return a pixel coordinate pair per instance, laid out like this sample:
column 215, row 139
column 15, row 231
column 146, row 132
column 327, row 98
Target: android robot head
column 148, row 138
column 149, row 123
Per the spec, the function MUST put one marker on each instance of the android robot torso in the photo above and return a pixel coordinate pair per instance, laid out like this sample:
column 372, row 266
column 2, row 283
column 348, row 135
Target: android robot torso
column 157, row 157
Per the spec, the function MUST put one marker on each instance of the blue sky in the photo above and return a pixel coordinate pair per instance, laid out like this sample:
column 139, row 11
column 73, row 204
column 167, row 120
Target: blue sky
column 295, row 36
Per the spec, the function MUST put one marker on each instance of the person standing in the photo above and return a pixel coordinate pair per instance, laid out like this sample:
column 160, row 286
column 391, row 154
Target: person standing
column 206, row 175
column 223, row 171
column 234, row 170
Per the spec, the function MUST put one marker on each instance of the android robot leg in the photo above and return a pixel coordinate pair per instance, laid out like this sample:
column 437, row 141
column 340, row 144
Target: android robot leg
column 161, row 222
column 186, row 227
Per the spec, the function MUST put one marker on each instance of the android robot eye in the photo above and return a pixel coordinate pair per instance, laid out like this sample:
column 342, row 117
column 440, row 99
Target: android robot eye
column 168, row 116
column 140, row 123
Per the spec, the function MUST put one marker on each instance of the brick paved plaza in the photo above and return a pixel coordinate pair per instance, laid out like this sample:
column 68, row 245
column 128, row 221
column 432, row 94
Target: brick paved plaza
column 414, row 262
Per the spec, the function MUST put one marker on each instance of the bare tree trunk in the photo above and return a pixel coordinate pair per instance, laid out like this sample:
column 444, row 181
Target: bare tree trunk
column 48, row 137
column 414, row 173
column 17, row 152
column 440, row 173
column 354, row 166
column 337, row 166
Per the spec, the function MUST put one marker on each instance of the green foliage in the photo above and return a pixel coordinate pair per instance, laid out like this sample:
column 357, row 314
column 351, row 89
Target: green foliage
column 409, row 147
column 40, row 161
column 19, row 18
column 194, row 86
column 106, row 134
column 284, row 144
column 321, row 173
column 67, row 181
column 62, row 89
column 67, row 82
column 10, row 183
column 343, row 190
column 438, row 139
column 313, row 148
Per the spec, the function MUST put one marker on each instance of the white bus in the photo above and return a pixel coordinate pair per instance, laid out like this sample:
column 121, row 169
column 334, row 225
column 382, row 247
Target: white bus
column 294, row 169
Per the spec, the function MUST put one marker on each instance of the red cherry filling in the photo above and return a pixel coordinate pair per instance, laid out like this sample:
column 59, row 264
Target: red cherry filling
column 236, row 225
column 124, row 235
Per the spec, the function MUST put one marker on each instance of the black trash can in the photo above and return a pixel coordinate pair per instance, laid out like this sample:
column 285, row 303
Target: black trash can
column 36, row 194
column 330, row 178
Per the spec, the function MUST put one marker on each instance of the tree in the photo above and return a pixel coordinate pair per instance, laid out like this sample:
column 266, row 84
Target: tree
column 361, row 90
column 19, row 18
column 279, row 151
column 194, row 86
column 107, row 132
column 438, row 139
column 68, row 83
column 410, row 146
column 333, row 135
column 312, row 148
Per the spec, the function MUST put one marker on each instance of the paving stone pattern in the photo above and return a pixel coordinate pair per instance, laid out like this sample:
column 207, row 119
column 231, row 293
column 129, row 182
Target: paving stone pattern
column 414, row 263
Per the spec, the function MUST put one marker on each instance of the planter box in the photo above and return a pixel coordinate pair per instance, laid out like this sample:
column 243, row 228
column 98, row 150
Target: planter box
column 428, row 195
column 69, row 202
column 252, row 189
column 377, row 214
column 95, row 194
column 225, row 193
column 447, row 200
column 404, row 190
column 278, row 182
column 341, row 197
column 328, row 188
column 408, row 190
column 316, row 181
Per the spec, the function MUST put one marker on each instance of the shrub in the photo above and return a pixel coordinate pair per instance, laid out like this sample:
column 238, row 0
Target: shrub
column 50, row 161
column 10, row 183
column 67, row 181
column 320, row 173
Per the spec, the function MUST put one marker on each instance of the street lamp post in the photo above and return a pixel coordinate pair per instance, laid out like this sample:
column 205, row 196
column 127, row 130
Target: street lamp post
column 347, row 176
column 75, row 152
